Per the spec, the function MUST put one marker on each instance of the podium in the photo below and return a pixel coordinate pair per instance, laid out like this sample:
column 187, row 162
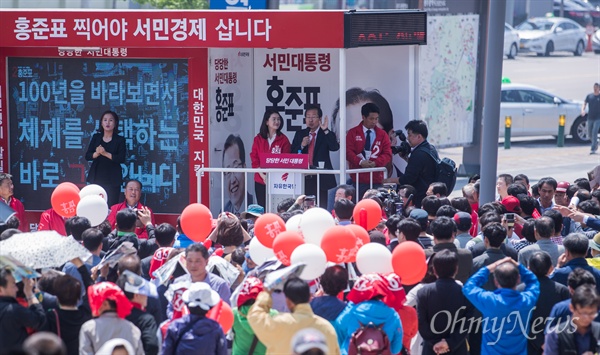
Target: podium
column 281, row 186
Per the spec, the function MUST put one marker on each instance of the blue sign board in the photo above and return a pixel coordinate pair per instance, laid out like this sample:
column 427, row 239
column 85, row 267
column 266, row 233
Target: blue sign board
column 238, row 4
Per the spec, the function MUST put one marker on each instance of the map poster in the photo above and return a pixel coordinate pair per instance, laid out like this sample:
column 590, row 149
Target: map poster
column 447, row 74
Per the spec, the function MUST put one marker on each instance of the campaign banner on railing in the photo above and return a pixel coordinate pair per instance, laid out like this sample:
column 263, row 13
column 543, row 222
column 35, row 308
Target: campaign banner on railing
column 55, row 105
column 231, row 127
column 284, row 183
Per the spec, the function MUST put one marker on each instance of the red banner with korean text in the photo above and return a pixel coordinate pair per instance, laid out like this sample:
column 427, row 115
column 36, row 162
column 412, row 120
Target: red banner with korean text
column 198, row 122
column 245, row 29
column 284, row 161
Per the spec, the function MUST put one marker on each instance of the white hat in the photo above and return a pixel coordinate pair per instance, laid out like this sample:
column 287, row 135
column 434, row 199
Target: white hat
column 307, row 339
column 200, row 295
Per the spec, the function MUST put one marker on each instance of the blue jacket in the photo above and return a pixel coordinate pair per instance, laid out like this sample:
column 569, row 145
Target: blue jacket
column 505, row 312
column 369, row 311
column 206, row 334
column 561, row 274
column 328, row 307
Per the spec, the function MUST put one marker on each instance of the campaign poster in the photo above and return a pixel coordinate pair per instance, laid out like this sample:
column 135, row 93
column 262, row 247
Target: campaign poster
column 231, row 127
column 386, row 77
column 55, row 105
column 288, row 80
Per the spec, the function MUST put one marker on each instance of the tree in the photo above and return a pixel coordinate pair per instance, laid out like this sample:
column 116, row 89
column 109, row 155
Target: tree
column 176, row 4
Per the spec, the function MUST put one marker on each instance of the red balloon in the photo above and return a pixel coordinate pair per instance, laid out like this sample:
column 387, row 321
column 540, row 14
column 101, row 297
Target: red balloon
column 416, row 277
column 65, row 198
column 75, row 187
column 372, row 211
column 360, row 233
column 267, row 227
column 196, row 222
column 340, row 245
column 223, row 314
column 408, row 261
column 285, row 243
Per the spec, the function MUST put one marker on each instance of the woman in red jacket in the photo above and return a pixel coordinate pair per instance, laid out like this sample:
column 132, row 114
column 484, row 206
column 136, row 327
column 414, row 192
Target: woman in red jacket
column 268, row 140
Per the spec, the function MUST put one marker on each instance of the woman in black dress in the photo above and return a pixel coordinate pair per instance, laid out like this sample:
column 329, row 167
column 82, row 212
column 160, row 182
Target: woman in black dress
column 107, row 151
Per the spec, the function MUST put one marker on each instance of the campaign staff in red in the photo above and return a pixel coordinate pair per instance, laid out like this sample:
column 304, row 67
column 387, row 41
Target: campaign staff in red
column 6, row 196
column 133, row 193
column 107, row 151
column 268, row 140
column 368, row 146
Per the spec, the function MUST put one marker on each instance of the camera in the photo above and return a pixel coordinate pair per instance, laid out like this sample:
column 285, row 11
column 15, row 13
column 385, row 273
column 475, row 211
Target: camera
column 404, row 148
column 510, row 219
column 392, row 202
column 309, row 202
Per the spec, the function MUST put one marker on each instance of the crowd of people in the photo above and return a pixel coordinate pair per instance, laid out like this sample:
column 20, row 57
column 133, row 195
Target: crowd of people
column 514, row 276
column 518, row 275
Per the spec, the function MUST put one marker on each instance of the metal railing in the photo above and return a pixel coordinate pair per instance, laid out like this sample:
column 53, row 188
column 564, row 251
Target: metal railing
column 268, row 208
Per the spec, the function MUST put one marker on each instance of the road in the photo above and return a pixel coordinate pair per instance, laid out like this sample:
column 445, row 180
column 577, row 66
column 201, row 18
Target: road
column 567, row 76
column 562, row 73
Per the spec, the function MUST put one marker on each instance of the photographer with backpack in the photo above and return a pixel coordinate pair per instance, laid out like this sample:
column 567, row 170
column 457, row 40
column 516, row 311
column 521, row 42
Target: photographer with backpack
column 424, row 165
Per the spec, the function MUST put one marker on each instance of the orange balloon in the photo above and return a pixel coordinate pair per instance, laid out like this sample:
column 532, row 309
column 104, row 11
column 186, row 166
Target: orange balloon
column 340, row 245
column 372, row 211
column 267, row 227
column 285, row 243
column 196, row 222
column 223, row 314
column 65, row 198
column 408, row 261
column 360, row 233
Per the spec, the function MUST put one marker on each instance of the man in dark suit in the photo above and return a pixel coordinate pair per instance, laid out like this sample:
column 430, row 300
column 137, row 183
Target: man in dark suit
column 444, row 231
column 444, row 297
column 317, row 141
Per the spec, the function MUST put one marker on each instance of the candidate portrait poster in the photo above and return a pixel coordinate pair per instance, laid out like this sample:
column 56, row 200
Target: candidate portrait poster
column 231, row 127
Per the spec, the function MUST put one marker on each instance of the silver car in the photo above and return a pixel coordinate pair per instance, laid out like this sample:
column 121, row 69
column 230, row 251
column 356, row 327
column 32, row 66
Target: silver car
column 596, row 42
column 544, row 35
column 511, row 41
column 536, row 112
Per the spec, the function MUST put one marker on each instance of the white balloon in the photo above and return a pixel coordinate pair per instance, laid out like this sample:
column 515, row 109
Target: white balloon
column 93, row 189
column 293, row 224
column 314, row 223
column 314, row 258
column 374, row 258
column 258, row 252
column 94, row 208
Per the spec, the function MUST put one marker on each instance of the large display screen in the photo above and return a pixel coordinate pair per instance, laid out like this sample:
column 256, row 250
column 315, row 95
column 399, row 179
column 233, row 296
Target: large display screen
column 55, row 105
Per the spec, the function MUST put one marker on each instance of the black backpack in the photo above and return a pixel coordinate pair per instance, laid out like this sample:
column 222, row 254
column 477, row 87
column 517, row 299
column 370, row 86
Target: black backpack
column 369, row 339
column 445, row 171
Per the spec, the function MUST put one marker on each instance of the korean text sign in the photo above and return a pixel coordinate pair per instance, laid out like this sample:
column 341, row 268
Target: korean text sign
column 54, row 108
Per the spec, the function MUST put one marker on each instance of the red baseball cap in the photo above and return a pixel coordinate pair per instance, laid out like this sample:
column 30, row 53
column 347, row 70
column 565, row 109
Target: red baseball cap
column 562, row 186
column 511, row 204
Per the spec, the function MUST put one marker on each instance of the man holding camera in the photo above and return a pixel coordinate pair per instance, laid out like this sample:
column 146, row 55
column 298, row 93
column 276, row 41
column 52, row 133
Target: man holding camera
column 133, row 194
column 421, row 169
column 317, row 141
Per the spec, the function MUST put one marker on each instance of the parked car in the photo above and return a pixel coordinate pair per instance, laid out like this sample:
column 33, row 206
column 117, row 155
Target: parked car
column 594, row 11
column 575, row 11
column 536, row 112
column 543, row 36
column 596, row 42
column 511, row 41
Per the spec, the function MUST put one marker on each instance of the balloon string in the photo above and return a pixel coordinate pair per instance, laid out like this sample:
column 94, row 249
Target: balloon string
column 363, row 218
